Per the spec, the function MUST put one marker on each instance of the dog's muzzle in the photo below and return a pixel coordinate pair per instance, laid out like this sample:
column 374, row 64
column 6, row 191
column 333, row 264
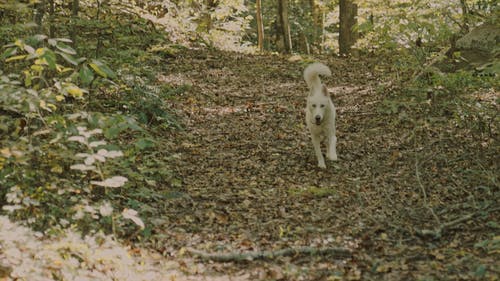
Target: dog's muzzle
column 318, row 120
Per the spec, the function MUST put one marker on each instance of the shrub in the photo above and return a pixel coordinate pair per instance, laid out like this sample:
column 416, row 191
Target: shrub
column 56, row 167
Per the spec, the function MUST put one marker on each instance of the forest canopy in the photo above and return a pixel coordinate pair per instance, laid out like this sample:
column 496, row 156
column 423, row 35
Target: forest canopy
column 313, row 25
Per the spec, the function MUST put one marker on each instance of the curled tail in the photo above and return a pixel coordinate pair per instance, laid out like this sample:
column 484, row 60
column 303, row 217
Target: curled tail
column 312, row 72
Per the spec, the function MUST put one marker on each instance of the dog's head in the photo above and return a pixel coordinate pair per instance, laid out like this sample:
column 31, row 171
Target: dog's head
column 318, row 105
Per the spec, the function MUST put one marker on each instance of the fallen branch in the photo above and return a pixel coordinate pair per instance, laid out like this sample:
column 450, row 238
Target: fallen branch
column 338, row 253
column 437, row 233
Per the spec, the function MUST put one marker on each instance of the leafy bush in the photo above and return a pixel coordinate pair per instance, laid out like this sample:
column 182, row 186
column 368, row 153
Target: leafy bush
column 56, row 167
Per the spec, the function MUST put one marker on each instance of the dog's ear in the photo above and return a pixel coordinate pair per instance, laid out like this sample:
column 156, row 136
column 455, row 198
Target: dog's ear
column 324, row 90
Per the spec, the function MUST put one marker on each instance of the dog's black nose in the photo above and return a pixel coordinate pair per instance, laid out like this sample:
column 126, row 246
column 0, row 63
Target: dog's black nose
column 318, row 119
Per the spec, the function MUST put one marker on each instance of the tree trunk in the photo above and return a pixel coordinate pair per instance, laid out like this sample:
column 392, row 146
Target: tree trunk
column 260, row 25
column 39, row 13
column 51, row 19
column 75, row 7
column 317, row 22
column 348, row 18
column 285, row 25
column 465, row 16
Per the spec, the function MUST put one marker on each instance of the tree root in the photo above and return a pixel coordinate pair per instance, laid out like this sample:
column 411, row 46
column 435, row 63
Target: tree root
column 337, row 253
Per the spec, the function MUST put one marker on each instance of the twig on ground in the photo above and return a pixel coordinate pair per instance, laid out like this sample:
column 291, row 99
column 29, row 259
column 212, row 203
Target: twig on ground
column 436, row 233
column 338, row 253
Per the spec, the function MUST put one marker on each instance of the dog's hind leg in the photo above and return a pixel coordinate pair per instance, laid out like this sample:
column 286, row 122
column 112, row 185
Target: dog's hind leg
column 317, row 149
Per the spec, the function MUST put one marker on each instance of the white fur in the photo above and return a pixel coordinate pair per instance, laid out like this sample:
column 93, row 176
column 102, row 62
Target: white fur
column 320, row 113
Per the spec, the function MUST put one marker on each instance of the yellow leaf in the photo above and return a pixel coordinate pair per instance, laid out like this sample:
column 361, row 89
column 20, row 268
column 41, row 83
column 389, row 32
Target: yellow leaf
column 40, row 51
column 37, row 68
column 59, row 98
column 19, row 43
column 41, row 61
column 98, row 70
column 20, row 57
column 56, row 169
column 75, row 91
column 51, row 106
column 182, row 251
column 27, row 80
column 43, row 105
column 6, row 152
column 62, row 69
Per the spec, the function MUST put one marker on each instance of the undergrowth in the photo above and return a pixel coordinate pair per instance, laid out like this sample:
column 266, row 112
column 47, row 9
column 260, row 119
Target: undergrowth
column 79, row 142
column 453, row 123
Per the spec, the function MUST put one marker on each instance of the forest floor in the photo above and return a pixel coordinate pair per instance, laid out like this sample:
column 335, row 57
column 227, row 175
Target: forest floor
column 412, row 197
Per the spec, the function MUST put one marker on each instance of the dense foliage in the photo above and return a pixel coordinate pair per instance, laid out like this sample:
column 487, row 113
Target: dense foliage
column 53, row 121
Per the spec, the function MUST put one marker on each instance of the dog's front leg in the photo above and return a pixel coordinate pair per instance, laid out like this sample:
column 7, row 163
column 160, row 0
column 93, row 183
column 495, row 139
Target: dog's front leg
column 317, row 149
column 331, row 152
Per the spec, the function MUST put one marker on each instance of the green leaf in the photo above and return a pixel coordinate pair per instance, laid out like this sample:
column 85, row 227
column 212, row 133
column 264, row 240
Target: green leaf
column 102, row 69
column 493, row 224
column 69, row 58
column 65, row 48
column 144, row 143
column 480, row 271
column 113, row 132
column 482, row 244
column 50, row 58
column 67, row 40
column 9, row 52
column 86, row 75
column 80, row 60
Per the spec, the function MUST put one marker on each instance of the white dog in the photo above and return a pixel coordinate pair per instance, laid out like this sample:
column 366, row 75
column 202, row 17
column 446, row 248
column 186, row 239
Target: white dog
column 320, row 113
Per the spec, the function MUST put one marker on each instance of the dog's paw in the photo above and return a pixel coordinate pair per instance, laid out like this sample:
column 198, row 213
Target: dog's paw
column 333, row 157
column 322, row 165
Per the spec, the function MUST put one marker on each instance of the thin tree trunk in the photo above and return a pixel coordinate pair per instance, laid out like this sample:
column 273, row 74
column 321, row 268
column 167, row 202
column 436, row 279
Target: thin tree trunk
column 314, row 15
column 323, row 32
column 260, row 26
column 52, row 32
column 465, row 16
column 99, row 30
column 75, row 7
column 39, row 13
column 318, row 25
column 347, row 36
column 285, row 24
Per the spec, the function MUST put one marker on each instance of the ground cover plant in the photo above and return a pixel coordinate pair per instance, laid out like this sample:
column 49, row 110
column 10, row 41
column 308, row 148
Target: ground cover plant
column 161, row 140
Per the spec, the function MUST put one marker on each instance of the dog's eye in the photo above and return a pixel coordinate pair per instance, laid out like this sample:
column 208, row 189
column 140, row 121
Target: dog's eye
column 322, row 105
column 314, row 106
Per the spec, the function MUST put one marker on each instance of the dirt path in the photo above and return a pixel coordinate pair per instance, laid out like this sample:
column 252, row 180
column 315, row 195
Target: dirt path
column 250, row 180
